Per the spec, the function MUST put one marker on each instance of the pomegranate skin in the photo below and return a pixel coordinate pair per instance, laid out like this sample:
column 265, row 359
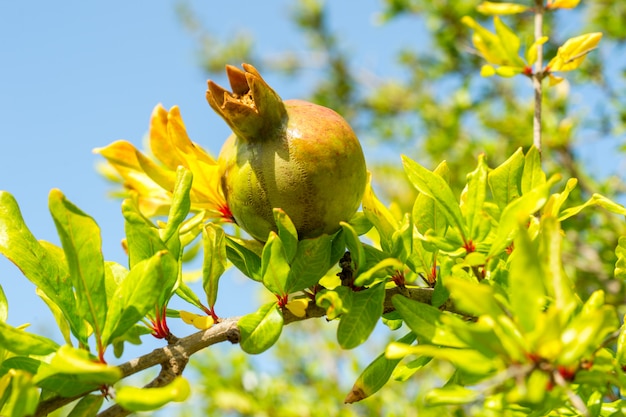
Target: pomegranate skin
column 313, row 169
column 294, row 155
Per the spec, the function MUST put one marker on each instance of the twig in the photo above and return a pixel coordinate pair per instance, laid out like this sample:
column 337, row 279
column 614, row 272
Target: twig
column 173, row 358
column 538, row 75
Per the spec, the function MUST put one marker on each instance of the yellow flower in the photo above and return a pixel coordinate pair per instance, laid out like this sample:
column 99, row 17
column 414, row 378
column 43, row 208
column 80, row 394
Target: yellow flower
column 152, row 181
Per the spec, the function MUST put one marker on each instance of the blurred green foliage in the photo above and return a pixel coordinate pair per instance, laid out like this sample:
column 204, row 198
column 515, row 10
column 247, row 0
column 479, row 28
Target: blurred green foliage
column 440, row 108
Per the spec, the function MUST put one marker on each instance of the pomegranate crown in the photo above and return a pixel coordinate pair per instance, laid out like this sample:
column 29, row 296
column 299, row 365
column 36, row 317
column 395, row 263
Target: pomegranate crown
column 253, row 109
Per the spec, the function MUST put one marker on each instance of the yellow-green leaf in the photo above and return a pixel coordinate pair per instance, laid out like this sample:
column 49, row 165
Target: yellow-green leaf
column 562, row 4
column 492, row 8
column 147, row 399
column 572, row 53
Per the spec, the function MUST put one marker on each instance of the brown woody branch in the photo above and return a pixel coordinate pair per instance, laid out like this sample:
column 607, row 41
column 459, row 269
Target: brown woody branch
column 174, row 357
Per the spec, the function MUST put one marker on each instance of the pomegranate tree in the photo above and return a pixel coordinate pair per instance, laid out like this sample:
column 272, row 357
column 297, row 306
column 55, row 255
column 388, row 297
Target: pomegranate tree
column 292, row 154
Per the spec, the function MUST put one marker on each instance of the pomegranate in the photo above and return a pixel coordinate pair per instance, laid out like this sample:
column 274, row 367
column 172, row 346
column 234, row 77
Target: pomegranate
column 292, row 154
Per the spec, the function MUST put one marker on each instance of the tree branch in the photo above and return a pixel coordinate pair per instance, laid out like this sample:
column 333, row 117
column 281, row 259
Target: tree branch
column 538, row 75
column 174, row 357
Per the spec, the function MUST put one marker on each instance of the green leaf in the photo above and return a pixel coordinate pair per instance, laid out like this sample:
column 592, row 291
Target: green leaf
column 80, row 365
column 474, row 298
column 505, row 181
column 381, row 270
column 474, row 198
column 466, row 360
column 620, row 264
column 187, row 294
column 376, row 375
column 261, row 329
column 309, row 264
column 80, row 237
column 142, row 236
column 287, row 233
column 358, row 323
column 88, row 406
column 23, row 395
column 243, row 257
column 426, row 213
column 22, row 343
column 274, row 265
column 518, row 211
column 336, row 302
column 559, row 286
column 180, row 204
column 451, row 395
column 533, row 175
column 595, row 200
column 379, row 216
column 46, row 269
column 139, row 293
column 510, row 43
column 62, row 322
column 4, row 306
column 427, row 322
column 148, row 399
column 354, row 247
column 214, row 263
column 527, row 293
column 583, row 334
column 438, row 189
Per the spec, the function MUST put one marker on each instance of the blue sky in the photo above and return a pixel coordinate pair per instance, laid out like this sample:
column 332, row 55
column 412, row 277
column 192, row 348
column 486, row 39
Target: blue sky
column 78, row 75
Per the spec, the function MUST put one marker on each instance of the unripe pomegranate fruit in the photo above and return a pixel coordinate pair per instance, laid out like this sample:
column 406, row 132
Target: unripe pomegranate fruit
column 293, row 155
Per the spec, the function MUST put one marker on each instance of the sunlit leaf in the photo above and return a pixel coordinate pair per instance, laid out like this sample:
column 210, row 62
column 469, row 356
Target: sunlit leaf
column 22, row 397
column 533, row 175
column 358, row 323
column 214, row 261
column 451, row 394
column 379, row 216
column 382, row 269
column 492, row 8
column 427, row 322
column 243, row 255
column 310, row 263
column 354, row 246
column 438, row 189
column 620, row 264
column 142, row 236
column 562, row 4
column 375, row 375
column 80, row 237
column 505, row 180
column 287, row 233
column 573, row 52
column 21, row 342
column 467, row 360
column 527, row 292
column 426, row 214
column 595, row 200
column 148, row 399
column 138, row 294
column 336, row 302
column 531, row 53
column 474, row 197
column 275, row 267
column 88, row 406
column 4, row 306
column 180, row 204
column 518, row 211
column 261, row 329
column 80, row 365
